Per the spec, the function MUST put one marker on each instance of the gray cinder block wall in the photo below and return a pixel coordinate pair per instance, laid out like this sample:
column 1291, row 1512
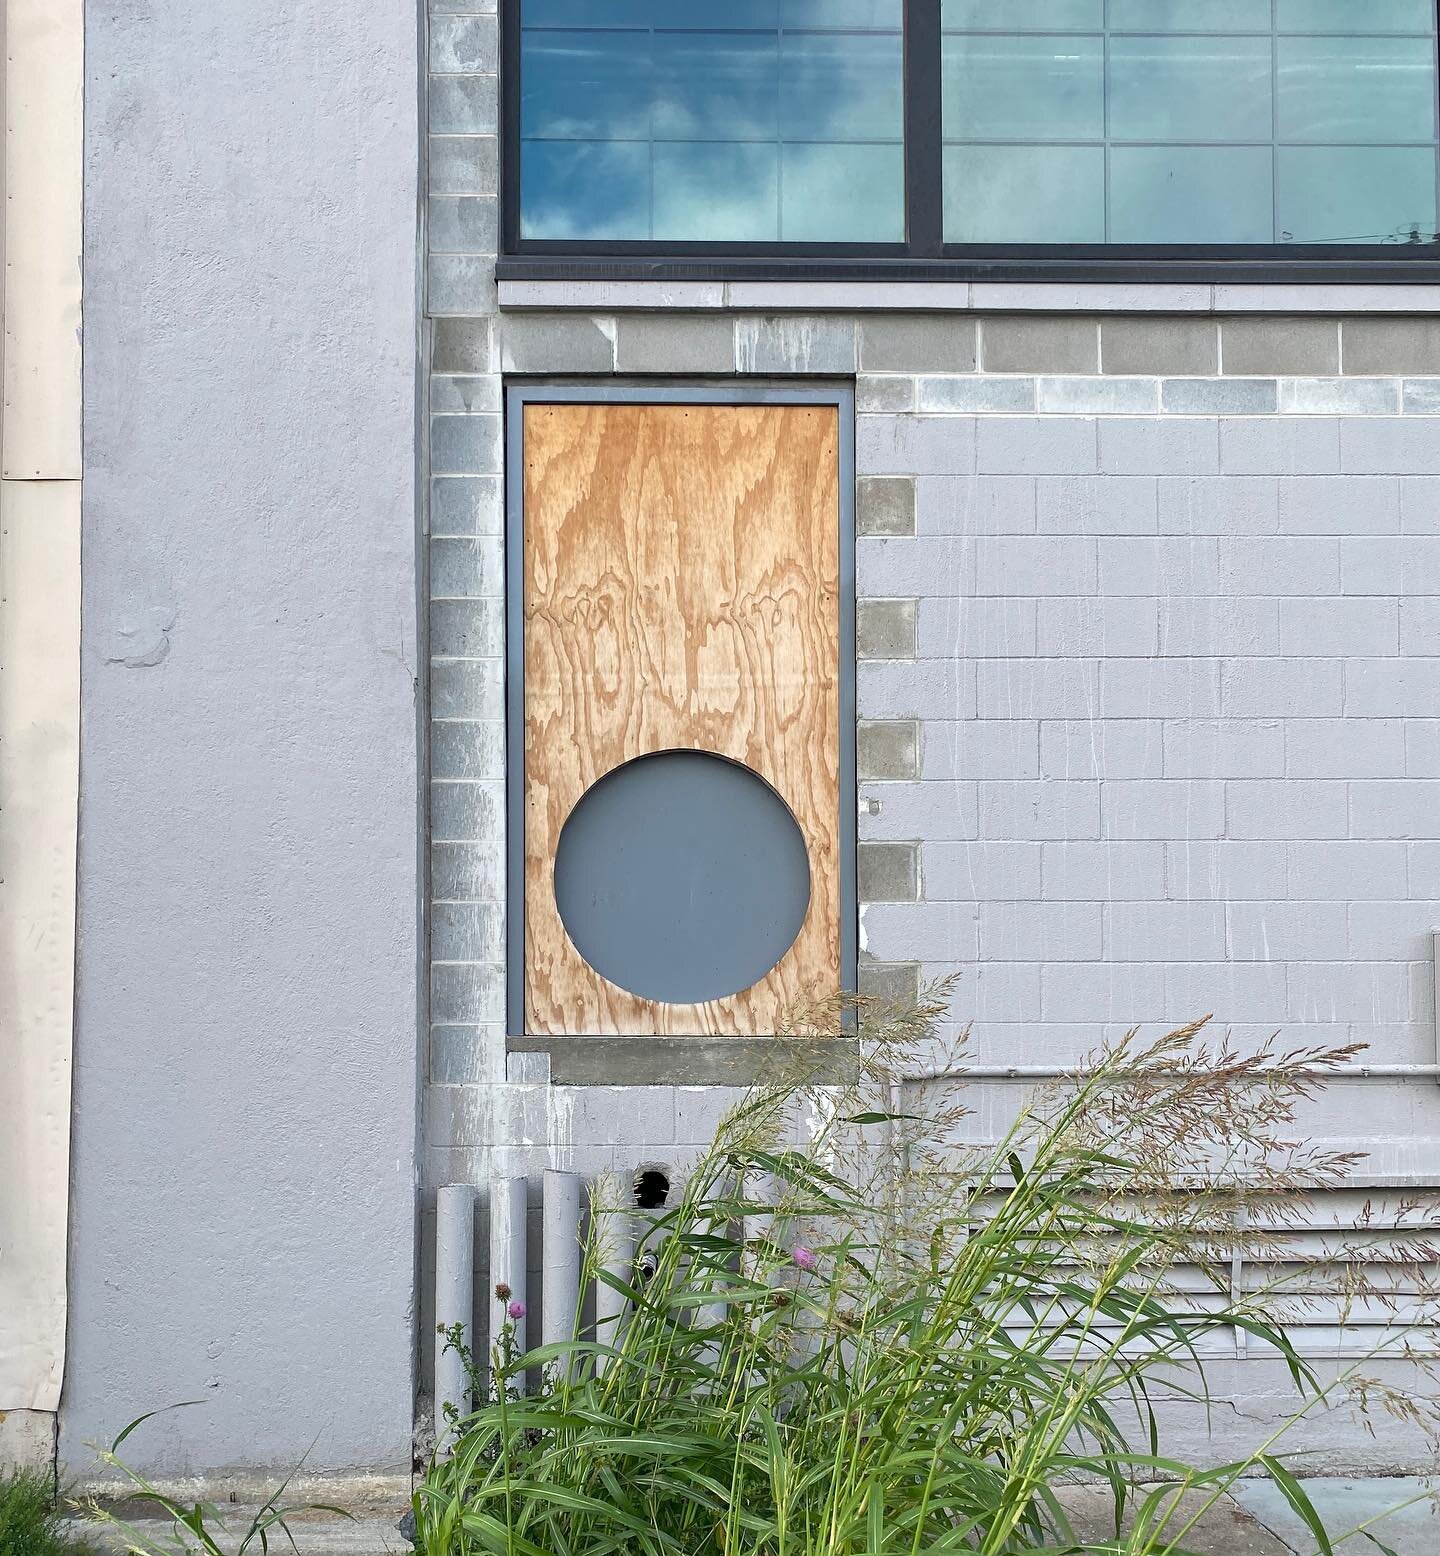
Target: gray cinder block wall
column 1150, row 710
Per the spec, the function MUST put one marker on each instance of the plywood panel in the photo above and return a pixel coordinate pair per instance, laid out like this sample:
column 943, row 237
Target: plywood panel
column 682, row 576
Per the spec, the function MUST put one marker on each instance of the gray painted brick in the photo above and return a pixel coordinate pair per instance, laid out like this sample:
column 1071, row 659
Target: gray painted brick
column 1276, row 346
column 1228, row 991
column 938, row 812
column 914, row 445
column 1388, row 931
column 1344, row 871
column 1219, row 505
column 975, row 504
column 888, row 872
column 1280, row 445
column 885, row 505
column 1039, row 345
column 467, row 689
column 1423, row 866
column 1159, row 688
column 1399, row 346
column 467, row 812
column 462, row 43
column 1040, row 931
column 466, row 993
column 1159, row 446
column 888, row 748
column 1281, row 688
column 1035, row 445
column 1096, row 505
column 1352, row 991
column 1099, row 396
column 884, row 393
column 1219, row 396
column 674, row 343
column 459, row 284
column 1389, row 445
column 467, row 750
column 556, row 343
column 462, row 164
column 1036, row 688
column 1398, row 688
column 982, row 872
column 885, row 629
column 467, row 505
column 1422, row 751
column 893, row 983
column 1345, row 748
column 1035, row 565
column 1219, row 625
column 969, row 395
column 951, row 628
column 1307, row 564
column 1340, row 505
column 1391, row 564
column 794, row 343
column 1339, row 396
column 464, row 568
column 1420, row 505
column 1225, row 748
column 467, row 629
column 1036, row 812
column 1083, row 628
column 931, row 931
column 1221, row 870
column 915, row 689
column 467, row 932
column 1174, row 565
column 467, row 394
column 1421, row 396
column 1286, row 931
column 897, row 568
column 1165, row 931
column 1124, row 992
column 466, row 872
column 982, row 748
column 463, row 104
column 1101, row 748
column 1419, row 626
column 1259, row 808
column 1103, row 872
column 463, row 224
column 1170, row 346
column 461, row 346
column 1153, row 810
column 1339, row 627
column 917, row 343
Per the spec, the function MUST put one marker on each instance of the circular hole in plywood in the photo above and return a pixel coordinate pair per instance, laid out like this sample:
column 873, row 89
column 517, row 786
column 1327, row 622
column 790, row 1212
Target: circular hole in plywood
column 682, row 877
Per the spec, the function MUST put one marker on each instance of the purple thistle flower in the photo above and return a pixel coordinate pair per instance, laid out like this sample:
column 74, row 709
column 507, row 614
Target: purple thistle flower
column 517, row 1311
column 805, row 1259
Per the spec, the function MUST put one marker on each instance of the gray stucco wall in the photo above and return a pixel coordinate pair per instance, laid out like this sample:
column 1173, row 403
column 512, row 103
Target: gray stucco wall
column 245, row 1074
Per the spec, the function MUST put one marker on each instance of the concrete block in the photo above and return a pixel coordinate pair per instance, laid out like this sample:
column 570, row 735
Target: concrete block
column 895, row 568
column 1219, row 625
column 790, row 343
column 461, row 44
column 1230, row 992
column 888, row 872
column 465, row 992
column 1159, row 688
column 982, row 872
column 930, row 931
column 955, row 628
column 1154, row 810
column 467, row 505
column 1221, row 870
column 464, row 567
column 975, row 504
column 523, row 1069
column 1036, row 812
column 1103, row 872
column 982, row 748
column 459, row 285
column 467, row 750
column 1419, row 625
column 1281, row 688
column 1339, row 627
column 1393, row 688
column 885, row 629
column 1266, row 347
column 1308, row 564
column 1035, row 565
column 1422, row 751
column 467, row 872
column 1367, row 992
column 1165, row 931
column 1178, row 565
column 915, row 689
column 1096, row 505
column 1040, row 931
column 1159, row 447
column 1389, row 445
column 1420, row 505
column 467, row 812
column 462, row 164
column 884, row 393
column 467, row 689
column 890, row 983
column 467, row 394
column 674, row 343
column 1300, row 808
column 914, row 445
column 1101, row 748
column 1346, row 872
column 937, row 812
column 1124, row 992
column 1340, row 505
column 1036, row 688
column 885, row 505
column 1391, row 346
column 467, row 932
column 1339, row 396
column 463, row 224
column 1345, row 748
column 1175, row 347
column 1420, row 396
column 1083, row 628
column 1039, row 345
column 461, row 346
column 970, row 395
column 1219, row 505
column 1225, row 748
column 1423, row 864
column 467, row 629
column 1098, row 396
column 1042, row 445
column 463, row 105
column 1388, row 932
column 917, row 343
column 888, row 748
column 1286, row 931
column 1219, row 396
column 556, row 343
column 1280, row 445
column 1391, row 564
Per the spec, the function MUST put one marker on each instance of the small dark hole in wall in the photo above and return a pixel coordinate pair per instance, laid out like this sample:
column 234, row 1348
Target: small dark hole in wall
column 652, row 1188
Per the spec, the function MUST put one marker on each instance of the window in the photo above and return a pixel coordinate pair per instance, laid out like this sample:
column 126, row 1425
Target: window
column 907, row 131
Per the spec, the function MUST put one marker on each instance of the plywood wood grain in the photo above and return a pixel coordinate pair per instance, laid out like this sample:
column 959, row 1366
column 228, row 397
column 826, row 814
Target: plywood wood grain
column 682, row 578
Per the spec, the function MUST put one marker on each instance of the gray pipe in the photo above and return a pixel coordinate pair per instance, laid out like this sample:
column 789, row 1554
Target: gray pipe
column 616, row 1236
column 454, row 1297
column 560, row 1257
column 508, row 1257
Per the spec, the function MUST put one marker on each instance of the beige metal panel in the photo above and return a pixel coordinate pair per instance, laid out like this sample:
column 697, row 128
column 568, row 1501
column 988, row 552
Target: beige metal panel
column 39, row 798
column 44, row 76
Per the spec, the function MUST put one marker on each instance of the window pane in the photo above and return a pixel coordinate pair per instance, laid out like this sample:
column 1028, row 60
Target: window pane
column 1190, row 194
column 584, row 86
column 585, row 189
column 842, row 88
column 882, row 15
column 1356, row 89
column 1022, row 15
column 1355, row 194
column 1195, row 89
column 714, row 193
column 843, row 194
column 999, row 88
column 1189, row 15
column 1064, row 194
column 715, row 86
column 1362, row 16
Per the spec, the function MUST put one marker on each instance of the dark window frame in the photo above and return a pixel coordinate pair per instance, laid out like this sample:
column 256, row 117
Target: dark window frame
column 924, row 256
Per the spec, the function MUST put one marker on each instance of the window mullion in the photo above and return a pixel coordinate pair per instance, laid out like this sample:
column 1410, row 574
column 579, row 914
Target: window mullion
column 924, row 176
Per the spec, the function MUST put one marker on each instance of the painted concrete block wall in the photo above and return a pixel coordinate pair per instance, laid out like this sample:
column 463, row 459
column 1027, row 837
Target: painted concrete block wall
column 245, row 1074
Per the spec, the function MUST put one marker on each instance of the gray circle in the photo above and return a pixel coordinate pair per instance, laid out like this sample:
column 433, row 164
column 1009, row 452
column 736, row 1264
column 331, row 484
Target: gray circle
column 682, row 877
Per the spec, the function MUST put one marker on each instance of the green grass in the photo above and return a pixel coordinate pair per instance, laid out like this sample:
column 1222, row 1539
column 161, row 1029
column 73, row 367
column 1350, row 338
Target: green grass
column 31, row 1519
